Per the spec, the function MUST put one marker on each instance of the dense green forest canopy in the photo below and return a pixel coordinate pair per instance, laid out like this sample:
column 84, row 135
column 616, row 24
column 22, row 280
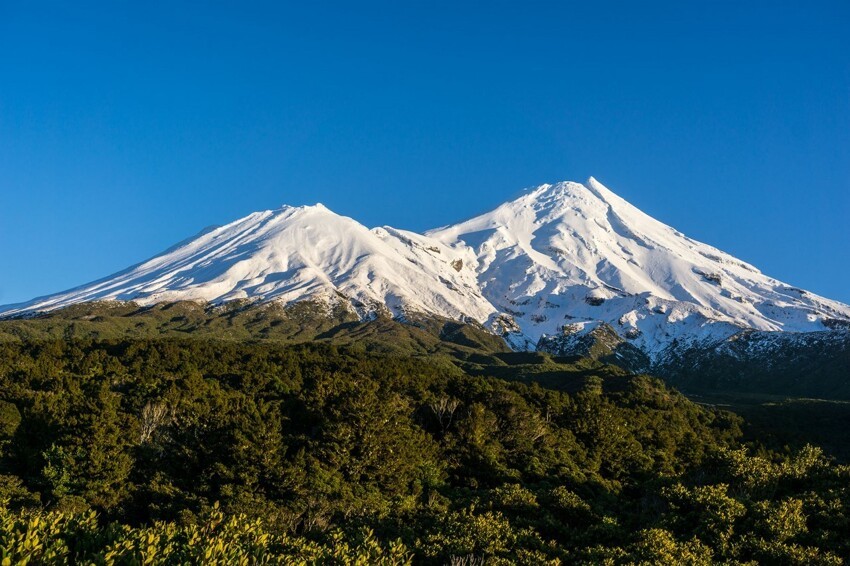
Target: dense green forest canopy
column 195, row 450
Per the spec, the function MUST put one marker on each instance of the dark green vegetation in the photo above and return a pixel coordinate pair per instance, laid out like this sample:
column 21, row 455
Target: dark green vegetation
column 787, row 424
column 777, row 365
column 773, row 391
column 418, row 450
column 240, row 321
column 812, row 365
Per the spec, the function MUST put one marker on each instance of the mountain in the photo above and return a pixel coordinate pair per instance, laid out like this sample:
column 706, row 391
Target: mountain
column 566, row 258
column 566, row 268
column 293, row 254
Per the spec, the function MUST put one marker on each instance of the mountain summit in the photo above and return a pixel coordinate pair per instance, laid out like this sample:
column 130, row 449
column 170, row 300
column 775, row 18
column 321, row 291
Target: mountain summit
column 559, row 262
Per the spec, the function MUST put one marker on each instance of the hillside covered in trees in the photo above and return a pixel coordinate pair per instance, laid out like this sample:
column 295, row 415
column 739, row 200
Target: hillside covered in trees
column 201, row 450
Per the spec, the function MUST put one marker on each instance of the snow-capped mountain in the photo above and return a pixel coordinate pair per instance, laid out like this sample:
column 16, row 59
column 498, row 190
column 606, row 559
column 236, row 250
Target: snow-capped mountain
column 292, row 254
column 566, row 257
column 558, row 262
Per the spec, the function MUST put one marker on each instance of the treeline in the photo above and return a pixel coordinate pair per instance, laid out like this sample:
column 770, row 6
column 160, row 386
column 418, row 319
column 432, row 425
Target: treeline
column 203, row 451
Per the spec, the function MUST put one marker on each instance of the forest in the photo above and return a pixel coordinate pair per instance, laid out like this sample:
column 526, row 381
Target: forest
column 187, row 450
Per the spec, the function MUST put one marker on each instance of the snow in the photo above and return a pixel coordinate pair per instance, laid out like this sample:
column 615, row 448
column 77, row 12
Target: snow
column 564, row 255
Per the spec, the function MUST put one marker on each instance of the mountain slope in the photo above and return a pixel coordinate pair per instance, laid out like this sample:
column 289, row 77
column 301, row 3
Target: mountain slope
column 564, row 258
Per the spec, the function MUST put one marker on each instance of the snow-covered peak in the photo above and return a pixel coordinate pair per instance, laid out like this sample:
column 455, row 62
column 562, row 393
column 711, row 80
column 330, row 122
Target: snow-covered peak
column 567, row 256
column 552, row 199
column 292, row 254
column 318, row 207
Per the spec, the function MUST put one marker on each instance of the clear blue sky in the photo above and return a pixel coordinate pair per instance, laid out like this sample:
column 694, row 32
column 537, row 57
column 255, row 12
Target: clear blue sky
column 127, row 126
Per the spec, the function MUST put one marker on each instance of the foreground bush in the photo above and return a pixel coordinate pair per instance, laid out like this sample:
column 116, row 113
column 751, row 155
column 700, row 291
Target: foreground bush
column 77, row 538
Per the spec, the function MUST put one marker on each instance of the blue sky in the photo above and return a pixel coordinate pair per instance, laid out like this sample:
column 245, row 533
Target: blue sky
column 125, row 127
